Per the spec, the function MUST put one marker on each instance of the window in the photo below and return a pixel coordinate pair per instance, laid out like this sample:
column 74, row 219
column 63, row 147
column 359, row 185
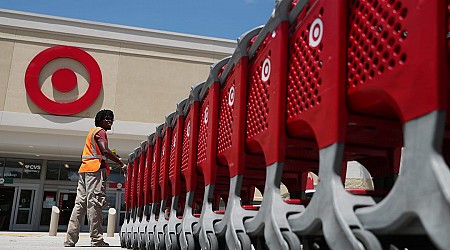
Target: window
column 2, row 166
column 52, row 170
column 13, row 168
column 32, row 169
column 62, row 170
column 20, row 168
column 69, row 171
column 116, row 174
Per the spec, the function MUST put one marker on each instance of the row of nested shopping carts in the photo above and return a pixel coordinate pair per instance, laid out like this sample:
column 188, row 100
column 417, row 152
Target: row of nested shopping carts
column 324, row 82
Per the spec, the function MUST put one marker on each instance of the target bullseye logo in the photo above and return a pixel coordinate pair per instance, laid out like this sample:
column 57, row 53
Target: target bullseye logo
column 205, row 119
column 265, row 71
column 188, row 129
column 63, row 80
column 316, row 32
column 231, row 96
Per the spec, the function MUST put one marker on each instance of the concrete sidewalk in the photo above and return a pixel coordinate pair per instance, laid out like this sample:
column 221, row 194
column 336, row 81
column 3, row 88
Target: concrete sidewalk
column 41, row 240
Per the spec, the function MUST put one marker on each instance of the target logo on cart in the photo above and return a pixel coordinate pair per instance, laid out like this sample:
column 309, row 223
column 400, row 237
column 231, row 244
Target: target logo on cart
column 205, row 119
column 188, row 129
column 231, row 96
column 265, row 70
column 174, row 141
column 64, row 80
column 316, row 32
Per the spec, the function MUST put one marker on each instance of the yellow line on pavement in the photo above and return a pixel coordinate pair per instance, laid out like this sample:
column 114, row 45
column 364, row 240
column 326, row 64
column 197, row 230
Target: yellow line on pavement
column 21, row 234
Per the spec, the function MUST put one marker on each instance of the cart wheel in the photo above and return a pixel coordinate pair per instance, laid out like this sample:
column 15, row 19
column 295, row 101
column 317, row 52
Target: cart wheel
column 173, row 242
column 142, row 241
column 314, row 243
column 191, row 241
column 246, row 243
column 292, row 239
column 367, row 239
column 150, row 245
column 128, row 240
column 213, row 242
column 122, row 240
column 135, row 241
column 160, row 243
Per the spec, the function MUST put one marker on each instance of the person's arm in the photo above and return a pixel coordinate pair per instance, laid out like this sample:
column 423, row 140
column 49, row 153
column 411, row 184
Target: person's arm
column 103, row 145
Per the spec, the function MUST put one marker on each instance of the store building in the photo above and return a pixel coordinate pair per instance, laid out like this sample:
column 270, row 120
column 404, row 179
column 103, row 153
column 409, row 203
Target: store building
column 55, row 74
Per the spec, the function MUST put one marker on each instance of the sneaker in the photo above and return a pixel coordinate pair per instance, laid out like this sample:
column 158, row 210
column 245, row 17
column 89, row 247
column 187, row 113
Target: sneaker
column 69, row 244
column 100, row 244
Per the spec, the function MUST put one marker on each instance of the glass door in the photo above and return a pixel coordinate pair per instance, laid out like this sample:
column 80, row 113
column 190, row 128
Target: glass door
column 65, row 204
column 24, row 208
column 48, row 201
column 6, row 204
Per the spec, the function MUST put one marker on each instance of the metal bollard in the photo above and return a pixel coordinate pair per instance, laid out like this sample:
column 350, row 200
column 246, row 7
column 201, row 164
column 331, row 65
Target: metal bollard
column 111, row 223
column 54, row 221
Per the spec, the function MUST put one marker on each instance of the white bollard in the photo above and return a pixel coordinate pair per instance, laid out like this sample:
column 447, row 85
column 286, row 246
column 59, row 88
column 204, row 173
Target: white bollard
column 111, row 223
column 54, row 221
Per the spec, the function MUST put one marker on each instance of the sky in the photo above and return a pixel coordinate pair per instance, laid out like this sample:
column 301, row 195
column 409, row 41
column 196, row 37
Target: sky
column 213, row 18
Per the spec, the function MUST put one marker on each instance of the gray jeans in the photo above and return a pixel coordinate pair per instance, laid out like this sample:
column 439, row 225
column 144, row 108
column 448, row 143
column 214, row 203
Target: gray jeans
column 91, row 192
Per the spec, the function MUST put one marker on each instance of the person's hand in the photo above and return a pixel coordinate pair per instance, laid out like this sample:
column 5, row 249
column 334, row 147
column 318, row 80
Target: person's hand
column 124, row 168
column 115, row 153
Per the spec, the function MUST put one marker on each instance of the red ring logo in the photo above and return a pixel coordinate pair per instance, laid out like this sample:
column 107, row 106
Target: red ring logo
column 63, row 80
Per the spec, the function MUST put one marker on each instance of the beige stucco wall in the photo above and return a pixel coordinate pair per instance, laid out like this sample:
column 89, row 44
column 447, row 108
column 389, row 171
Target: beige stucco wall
column 6, row 48
column 149, row 88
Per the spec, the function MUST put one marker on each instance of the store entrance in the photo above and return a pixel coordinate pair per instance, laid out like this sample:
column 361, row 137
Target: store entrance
column 6, row 204
column 24, row 207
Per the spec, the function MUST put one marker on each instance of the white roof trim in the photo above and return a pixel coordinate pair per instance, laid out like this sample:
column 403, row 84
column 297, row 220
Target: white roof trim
column 52, row 124
column 62, row 137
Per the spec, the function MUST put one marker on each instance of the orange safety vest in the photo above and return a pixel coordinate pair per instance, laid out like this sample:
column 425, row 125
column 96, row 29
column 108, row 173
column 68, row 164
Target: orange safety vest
column 92, row 157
